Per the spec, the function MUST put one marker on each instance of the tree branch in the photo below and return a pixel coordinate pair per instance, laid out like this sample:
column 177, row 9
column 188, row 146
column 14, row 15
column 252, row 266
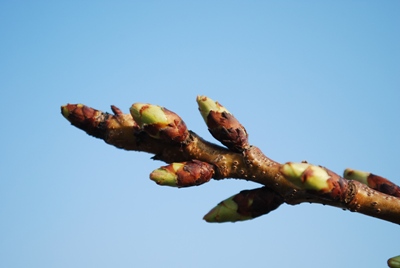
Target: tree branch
column 193, row 161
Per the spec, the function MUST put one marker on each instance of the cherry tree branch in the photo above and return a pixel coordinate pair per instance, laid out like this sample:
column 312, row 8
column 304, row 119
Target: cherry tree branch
column 193, row 161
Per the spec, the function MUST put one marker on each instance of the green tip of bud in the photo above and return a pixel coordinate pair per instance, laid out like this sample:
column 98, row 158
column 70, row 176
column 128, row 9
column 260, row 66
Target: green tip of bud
column 294, row 170
column 306, row 176
column 65, row 111
column 166, row 175
column 226, row 211
column 394, row 262
column 145, row 114
column 159, row 122
column 356, row 175
column 206, row 105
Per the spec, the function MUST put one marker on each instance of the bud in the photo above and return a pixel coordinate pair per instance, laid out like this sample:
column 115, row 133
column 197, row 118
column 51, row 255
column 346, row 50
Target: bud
column 186, row 174
column 226, row 211
column 246, row 205
column 306, row 176
column 394, row 262
column 356, row 175
column 85, row 118
column 114, row 129
column 222, row 125
column 166, row 175
column 373, row 181
column 206, row 105
column 159, row 122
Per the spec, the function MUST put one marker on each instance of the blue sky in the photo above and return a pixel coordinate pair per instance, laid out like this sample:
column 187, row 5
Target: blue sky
column 316, row 81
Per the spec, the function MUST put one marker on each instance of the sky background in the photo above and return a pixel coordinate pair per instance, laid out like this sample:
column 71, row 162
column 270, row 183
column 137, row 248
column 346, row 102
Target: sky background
column 316, row 81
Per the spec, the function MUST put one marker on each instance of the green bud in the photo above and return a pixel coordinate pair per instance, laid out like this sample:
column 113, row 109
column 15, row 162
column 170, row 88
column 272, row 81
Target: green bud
column 394, row 262
column 356, row 175
column 159, row 122
column 226, row 211
column 145, row 114
column 318, row 180
column 293, row 170
column 166, row 175
column 306, row 176
column 206, row 105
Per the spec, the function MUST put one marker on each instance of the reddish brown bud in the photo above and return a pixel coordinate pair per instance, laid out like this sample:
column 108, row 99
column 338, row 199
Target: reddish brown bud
column 86, row 118
column 223, row 125
column 117, row 129
column 246, row 205
column 383, row 185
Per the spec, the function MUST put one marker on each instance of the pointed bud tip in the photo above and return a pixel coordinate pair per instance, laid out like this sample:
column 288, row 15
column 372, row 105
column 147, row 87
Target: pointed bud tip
column 226, row 211
column 68, row 109
column 65, row 111
column 211, row 216
column 164, row 177
column 206, row 105
column 220, row 214
column 357, row 175
column 144, row 113
column 394, row 262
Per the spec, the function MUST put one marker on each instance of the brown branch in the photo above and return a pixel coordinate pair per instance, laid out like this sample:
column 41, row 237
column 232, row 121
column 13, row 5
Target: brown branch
column 160, row 132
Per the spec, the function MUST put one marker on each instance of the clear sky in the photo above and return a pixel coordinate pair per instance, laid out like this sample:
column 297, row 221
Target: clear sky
column 310, row 80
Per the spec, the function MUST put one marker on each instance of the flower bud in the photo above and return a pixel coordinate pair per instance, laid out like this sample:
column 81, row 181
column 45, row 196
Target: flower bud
column 306, row 176
column 373, row 181
column 159, row 122
column 85, row 118
column 356, row 175
column 206, row 105
column 186, row 174
column 114, row 129
column 226, row 211
column 246, row 205
column 222, row 125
